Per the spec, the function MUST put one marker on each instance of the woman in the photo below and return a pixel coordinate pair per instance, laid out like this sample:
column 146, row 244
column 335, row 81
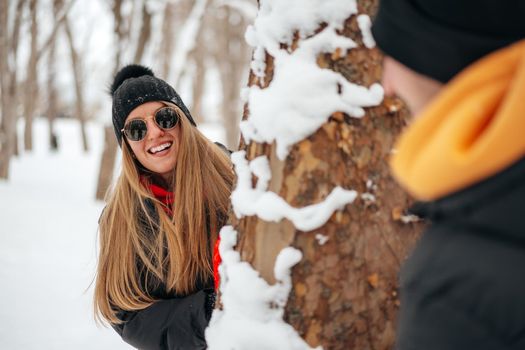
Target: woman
column 155, row 279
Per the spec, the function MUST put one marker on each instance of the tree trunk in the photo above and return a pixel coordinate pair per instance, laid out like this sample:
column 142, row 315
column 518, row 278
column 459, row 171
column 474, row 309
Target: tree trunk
column 230, row 54
column 7, row 125
column 166, row 44
column 107, row 163
column 13, row 83
column 344, row 293
column 119, row 31
column 52, row 94
column 145, row 33
column 198, row 56
column 59, row 20
column 77, row 72
column 31, row 85
column 8, row 84
column 186, row 40
column 226, row 62
column 52, row 98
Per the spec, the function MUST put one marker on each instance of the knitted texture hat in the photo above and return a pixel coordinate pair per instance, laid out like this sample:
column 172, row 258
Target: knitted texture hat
column 438, row 38
column 134, row 85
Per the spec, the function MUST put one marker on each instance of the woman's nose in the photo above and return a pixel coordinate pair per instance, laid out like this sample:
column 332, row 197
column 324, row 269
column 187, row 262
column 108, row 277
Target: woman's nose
column 154, row 130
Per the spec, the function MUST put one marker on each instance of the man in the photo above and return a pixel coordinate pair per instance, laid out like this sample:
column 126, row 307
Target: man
column 460, row 67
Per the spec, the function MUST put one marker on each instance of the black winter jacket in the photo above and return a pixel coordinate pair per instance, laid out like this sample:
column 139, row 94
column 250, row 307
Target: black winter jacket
column 463, row 287
column 174, row 322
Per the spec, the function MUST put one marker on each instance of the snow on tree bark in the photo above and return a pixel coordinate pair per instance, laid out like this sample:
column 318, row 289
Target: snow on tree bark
column 344, row 293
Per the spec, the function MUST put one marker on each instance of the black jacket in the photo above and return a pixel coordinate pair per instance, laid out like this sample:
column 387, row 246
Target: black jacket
column 464, row 285
column 174, row 322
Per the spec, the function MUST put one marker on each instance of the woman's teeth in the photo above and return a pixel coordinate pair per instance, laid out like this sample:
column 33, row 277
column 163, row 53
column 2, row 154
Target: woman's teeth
column 159, row 148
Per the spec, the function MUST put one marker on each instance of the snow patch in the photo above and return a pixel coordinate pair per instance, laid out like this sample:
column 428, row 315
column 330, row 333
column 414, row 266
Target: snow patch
column 321, row 239
column 252, row 315
column 248, row 201
column 56, row 249
column 277, row 20
column 364, row 23
column 245, row 92
column 406, row 219
column 301, row 96
column 368, row 197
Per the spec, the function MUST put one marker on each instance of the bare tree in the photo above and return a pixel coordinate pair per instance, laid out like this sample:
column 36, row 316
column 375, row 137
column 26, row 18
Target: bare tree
column 36, row 52
column 77, row 73
column 13, row 83
column 119, row 30
column 186, row 39
column 52, row 96
column 31, row 83
column 9, row 38
column 166, row 43
column 344, row 292
column 198, row 55
column 107, row 161
column 231, row 55
column 145, row 33
column 107, row 164
column 8, row 119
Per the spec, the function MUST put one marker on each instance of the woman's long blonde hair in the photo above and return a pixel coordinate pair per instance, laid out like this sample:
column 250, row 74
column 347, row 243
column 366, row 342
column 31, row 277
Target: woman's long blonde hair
column 176, row 250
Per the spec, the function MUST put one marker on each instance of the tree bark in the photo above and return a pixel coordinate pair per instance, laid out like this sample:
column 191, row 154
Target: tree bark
column 13, row 83
column 31, row 84
column 52, row 94
column 344, row 292
column 119, row 30
column 8, row 121
column 230, row 54
column 107, row 161
column 52, row 98
column 77, row 72
column 198, row 55
column 59, row 20
column 145, row 33
column 166, row 45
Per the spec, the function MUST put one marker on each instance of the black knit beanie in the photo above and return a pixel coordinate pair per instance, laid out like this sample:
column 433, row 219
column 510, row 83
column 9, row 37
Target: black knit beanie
column 438, row 38
column 134, row 85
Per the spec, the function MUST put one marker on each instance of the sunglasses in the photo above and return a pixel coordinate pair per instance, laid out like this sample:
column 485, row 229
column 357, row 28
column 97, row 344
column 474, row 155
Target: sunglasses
column 166, row 118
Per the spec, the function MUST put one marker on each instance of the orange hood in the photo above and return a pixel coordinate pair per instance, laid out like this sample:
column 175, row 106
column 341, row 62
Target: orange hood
column 473, row 129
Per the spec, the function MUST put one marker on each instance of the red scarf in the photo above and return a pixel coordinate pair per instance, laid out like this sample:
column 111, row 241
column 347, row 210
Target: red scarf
column 166, row 197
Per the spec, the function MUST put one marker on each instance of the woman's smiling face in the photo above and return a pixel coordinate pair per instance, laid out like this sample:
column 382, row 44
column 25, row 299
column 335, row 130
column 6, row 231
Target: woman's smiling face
column 157, row 151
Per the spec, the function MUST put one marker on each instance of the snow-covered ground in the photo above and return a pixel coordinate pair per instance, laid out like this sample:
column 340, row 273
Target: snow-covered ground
column 48, row 240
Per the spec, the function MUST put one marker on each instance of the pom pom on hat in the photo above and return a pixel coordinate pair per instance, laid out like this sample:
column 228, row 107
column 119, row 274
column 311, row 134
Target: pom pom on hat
column 129, row 71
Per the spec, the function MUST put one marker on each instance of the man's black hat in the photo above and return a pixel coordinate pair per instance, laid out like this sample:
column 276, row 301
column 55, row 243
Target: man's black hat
column 439, row 38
